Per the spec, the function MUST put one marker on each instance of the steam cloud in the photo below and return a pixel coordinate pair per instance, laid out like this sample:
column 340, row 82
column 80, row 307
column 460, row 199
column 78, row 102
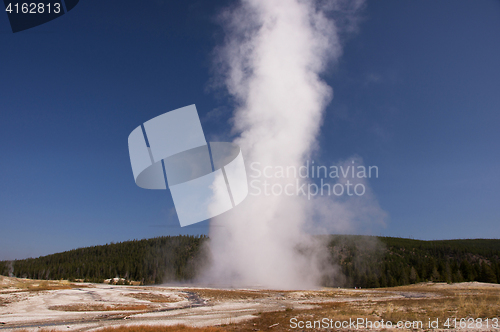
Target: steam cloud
column 271, row 61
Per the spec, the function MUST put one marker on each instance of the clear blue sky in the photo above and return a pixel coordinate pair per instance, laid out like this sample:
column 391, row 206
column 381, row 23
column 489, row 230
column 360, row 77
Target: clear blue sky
column 417, row 93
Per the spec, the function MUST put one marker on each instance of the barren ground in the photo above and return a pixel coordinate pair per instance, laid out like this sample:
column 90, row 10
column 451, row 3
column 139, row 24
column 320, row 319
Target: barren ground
column 32, row 305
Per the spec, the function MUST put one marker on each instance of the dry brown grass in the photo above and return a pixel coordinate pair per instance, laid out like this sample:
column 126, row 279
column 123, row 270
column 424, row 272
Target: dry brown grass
column 456, row 307
column 152, row 297
column 466, row 300
column 146, row 328
column 149, row 328
column 444, row 302
column 21, row 285
column 46, row 287
column 100, row 307
column 223, row 294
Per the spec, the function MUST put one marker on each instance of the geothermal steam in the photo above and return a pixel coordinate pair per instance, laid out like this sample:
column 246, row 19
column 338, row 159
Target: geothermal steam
column 271, row 60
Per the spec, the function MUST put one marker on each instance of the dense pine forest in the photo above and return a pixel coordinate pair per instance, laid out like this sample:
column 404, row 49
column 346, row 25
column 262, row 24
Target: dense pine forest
column 149, row 261
column 363, row 261
column 384, row 261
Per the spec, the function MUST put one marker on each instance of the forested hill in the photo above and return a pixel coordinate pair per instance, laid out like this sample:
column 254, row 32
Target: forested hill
column 384, row 261
column 150, row 261
column 364, row 261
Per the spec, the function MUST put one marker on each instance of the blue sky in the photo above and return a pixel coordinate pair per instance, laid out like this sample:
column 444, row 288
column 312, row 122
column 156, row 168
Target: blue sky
column 416, row 92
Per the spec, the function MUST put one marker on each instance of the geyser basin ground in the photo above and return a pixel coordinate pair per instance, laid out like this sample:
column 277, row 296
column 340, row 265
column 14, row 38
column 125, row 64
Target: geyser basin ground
column 61, row 305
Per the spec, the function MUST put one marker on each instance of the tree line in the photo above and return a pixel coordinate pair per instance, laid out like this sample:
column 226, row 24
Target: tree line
column 385, row 262
column 363, row 261
column 152, row 261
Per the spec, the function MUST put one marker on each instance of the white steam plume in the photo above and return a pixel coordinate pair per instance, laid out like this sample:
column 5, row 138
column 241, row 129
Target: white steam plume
column 272, row 58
